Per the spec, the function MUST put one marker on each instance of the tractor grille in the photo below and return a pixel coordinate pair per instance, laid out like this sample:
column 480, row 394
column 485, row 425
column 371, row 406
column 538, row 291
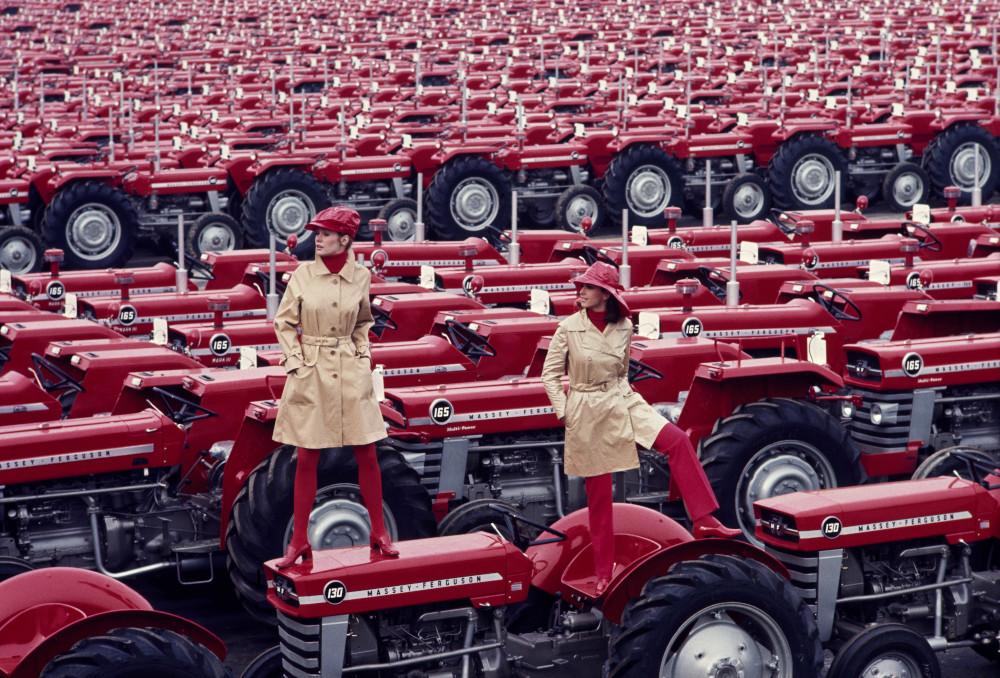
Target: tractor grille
column 300, row 647
column 428, row 465
column 893, row 433
column 803, row 570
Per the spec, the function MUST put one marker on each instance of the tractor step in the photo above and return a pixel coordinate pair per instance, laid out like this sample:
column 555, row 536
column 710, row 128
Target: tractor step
column 196, row 547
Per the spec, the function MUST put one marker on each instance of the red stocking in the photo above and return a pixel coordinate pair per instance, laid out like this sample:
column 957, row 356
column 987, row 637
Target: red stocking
column 370, row 480
column 307, row 462
column 602, row 527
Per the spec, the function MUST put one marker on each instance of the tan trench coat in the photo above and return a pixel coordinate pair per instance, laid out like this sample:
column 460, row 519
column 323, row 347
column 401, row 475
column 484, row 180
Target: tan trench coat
column 322, row 325
column 604, row 417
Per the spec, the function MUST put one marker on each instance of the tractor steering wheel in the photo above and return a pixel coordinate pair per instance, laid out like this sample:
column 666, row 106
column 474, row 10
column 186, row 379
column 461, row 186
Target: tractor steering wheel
column 828, row 302
column 497, row 238
column 927, row 239
column 512, row 519
column 713, row 279
column 473, row 345
column 195, row 265
column 780, row 218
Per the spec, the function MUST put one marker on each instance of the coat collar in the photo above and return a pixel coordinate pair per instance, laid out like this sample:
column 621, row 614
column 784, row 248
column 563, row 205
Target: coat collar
column 579, row 322
column 348, row 272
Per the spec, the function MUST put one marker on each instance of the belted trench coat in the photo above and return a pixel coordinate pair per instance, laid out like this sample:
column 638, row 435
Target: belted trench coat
column 322, row 326
column 604, row 417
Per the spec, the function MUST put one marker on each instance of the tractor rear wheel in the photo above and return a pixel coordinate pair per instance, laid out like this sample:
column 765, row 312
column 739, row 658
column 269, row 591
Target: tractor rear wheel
column 645, row 180
column 136, row 653
column 773, row 447
column 282, row 202
column 802, row 173
column 950, row 161
column 93, row 223
column 260, row 526
column 718, row 615
column 20, row 250
column 468, row 195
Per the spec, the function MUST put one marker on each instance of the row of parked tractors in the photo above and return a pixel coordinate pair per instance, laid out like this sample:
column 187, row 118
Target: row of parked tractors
column 116, row 139
column 136, row 411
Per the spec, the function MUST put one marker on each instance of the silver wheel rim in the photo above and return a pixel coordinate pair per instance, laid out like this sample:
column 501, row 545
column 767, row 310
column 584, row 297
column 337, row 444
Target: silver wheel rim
column 780, row 468
column 812, row 179
column 401, row 224
column 93, row 231
column 728, row 640
column 340, row 520
column 892, row 665
column 648, row 191
column 18, row 255
column 289, row 212
column 216, row 237
column 474, row 204
column 907, row 189
column 748, row 200
column 579, row 207
column 963, row 165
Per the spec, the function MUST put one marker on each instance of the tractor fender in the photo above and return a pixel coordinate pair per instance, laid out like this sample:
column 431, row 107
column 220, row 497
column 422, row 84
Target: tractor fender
column 719, row 388
column 950, row 119
column 629, row 583
column 447, row 154
column 58, row 181
column 789, row 130
column 265, row 165
column 239, row 173
column 63, row 639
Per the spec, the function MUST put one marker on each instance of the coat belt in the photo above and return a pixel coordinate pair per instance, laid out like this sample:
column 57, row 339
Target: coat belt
column 588, row 388
column 323, row 341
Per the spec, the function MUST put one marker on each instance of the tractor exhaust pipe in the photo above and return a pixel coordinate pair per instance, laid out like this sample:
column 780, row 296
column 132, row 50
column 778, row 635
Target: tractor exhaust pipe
column 182, row 275
column 707, row 213
column 625, row 271
column 838, row 224
column 272, row 295
column 514, row 250
column 419, row 231
column 733, row 286
column 977, row 189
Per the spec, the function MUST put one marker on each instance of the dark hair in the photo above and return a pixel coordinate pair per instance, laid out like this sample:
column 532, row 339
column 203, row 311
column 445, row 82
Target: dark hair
column 612, row 310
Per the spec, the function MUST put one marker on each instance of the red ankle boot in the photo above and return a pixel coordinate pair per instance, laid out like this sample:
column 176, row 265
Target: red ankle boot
column 293, row 553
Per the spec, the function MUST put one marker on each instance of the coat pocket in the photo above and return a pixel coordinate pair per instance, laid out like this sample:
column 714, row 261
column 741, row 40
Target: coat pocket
column 310, row 355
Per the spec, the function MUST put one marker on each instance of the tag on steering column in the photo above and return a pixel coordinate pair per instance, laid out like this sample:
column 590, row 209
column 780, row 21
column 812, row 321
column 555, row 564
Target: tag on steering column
column 248, row 357
column 539, row 302
column 427, row 277
column 69, row 306
column 880, row 271
column 378, row 382
column 640, row 236
column 749, row 252
column 649, row 325
column 922, row 214
column 160, row 331
column 816, row 348
column 5, row 281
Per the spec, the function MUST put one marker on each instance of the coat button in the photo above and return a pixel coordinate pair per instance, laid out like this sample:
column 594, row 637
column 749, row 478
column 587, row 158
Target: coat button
column 335, row 304
column 335, row 376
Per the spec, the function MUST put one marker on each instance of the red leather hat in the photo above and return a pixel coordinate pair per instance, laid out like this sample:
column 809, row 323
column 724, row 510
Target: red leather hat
column 605, row 276
column 337, row 219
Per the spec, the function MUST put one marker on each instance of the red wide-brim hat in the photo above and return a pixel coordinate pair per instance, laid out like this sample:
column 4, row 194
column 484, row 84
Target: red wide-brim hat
column 337, row 219
column 605, row 276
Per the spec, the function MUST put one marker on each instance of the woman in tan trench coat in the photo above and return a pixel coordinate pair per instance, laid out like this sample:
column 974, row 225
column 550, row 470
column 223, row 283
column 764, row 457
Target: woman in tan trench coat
column 605, row 418
column 328, row 400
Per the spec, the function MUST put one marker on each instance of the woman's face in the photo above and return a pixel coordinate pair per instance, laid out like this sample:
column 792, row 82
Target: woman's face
column 329, row 243
column 592, row 298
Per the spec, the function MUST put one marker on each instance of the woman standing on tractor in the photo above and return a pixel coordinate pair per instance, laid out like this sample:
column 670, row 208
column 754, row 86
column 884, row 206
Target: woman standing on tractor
column 605, row 418
column 328, row 401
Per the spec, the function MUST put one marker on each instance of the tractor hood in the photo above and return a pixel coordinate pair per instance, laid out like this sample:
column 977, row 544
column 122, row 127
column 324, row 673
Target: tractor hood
column 480, row 568
column 942, row 361
column 855, row 516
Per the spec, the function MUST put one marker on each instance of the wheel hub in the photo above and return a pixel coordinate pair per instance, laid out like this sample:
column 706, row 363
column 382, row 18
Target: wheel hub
column 907, row 189
column 17, row 255
column 748, row 200
column 93, row 230
column 963, row 165
column 719, row 649
column 579, row 207
column 474, row 204
column 215, row 238
column 290, row 212
column 812, row 179
column 340, row 520
column 401, row 225
column 648, row 191
column 891, row 666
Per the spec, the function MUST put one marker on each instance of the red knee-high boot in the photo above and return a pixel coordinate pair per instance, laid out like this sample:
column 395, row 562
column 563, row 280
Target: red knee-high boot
column 306, row 464
column 602, row 528
column 689, row 476
column 370, row 480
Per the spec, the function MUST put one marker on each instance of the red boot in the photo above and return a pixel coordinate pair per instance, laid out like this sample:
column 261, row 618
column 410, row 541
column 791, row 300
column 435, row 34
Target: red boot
column 307, row 462
column 370, row 480
column 602, row 528
column 689, row 477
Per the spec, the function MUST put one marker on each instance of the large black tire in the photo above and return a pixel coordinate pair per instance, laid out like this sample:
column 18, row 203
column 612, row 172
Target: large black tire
column 886, row 649
column 213, row 232
column 282, row 201
column 11, row 566
column 21, row 250
column 950, row 156
column 906, row 185
column 136, row 653
column 764, row 606
column 400, row 217
column 263, row 509
column 478, row 515
column 578, row 202
column 93, row 223
column 801, row 173
column 467, row 196
column 646, row 180
column 775, row 446
column 265, row 665
column 746, row 198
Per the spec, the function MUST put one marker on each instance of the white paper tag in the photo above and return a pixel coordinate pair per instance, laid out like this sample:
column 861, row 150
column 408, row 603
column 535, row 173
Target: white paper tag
column 816, row 348
column 248, row 357
column 539, row 302
column 5, row 281
column 922, row 213
column 749, row 252
column 880, row 271
column 427, row 277
column 160, row 331
column 640, row 236
column 378, row 382
column 69, row 305
column 649, row 325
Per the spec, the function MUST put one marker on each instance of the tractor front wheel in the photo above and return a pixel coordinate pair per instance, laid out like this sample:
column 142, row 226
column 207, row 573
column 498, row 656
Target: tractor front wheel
column 213, row 232
column 20, row 250
column 719, row 615
column 886, row 650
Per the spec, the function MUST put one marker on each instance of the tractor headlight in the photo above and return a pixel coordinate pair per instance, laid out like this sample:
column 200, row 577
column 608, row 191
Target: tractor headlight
column 876, row 415
column 883, row 413
column 846, row 409
column 285, row 590
column 219, row 451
